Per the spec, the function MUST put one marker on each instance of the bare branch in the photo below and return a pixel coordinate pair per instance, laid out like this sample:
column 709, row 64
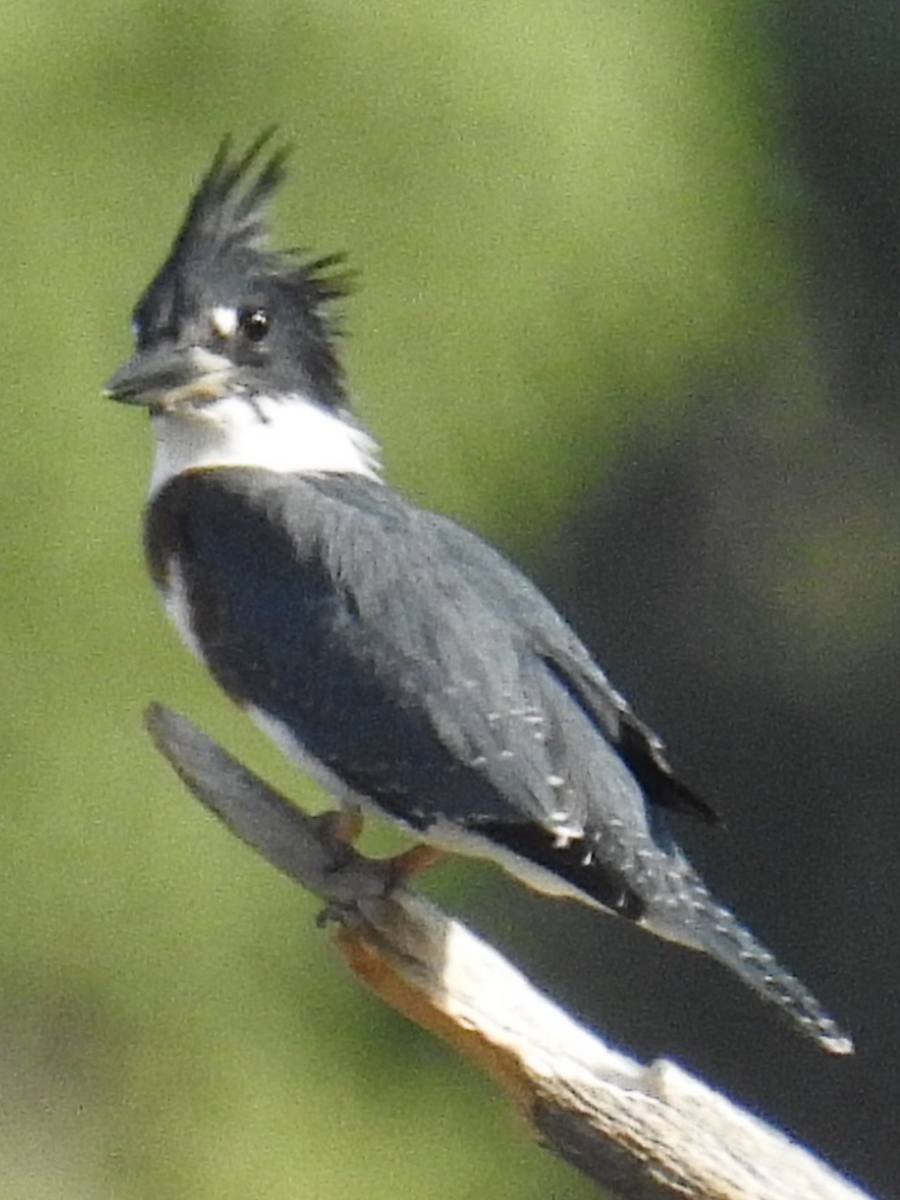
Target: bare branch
column 647, row 1132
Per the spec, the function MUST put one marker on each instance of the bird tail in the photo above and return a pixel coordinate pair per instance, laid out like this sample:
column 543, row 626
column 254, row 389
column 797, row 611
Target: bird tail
column 717, row 932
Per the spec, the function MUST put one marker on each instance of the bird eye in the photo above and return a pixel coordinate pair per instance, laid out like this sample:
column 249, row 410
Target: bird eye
column 253, row 323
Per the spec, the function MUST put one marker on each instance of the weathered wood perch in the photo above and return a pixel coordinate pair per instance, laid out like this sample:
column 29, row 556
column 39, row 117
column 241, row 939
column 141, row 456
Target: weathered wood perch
column 644, row 1132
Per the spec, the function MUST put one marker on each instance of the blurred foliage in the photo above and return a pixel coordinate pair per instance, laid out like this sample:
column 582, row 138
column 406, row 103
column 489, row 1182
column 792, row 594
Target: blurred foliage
column 564, row 217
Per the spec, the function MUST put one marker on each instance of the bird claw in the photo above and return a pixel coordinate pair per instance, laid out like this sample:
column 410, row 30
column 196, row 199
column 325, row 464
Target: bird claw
column 414, row 861
column 332, row 914
column 339, row 829
column 342, row 826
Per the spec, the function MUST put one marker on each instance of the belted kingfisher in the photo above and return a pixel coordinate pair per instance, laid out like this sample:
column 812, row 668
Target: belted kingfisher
column 400, row 659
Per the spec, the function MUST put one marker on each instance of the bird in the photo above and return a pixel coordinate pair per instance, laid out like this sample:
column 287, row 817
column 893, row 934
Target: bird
column 398, row 658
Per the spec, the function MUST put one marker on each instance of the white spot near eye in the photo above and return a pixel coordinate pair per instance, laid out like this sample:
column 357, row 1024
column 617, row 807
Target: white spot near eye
column 224, row 320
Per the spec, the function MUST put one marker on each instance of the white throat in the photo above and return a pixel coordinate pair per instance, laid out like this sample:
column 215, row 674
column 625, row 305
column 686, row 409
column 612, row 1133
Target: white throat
column 291, row 435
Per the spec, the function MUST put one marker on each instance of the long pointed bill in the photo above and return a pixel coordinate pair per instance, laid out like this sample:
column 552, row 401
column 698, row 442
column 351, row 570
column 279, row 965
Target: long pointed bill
column 169, row 375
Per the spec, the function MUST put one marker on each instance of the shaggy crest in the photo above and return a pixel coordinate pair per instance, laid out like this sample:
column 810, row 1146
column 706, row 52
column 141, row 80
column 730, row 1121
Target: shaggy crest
column 225, row 232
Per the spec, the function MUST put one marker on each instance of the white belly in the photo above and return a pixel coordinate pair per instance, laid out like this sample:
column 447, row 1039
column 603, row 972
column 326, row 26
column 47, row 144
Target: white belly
column 174, row 596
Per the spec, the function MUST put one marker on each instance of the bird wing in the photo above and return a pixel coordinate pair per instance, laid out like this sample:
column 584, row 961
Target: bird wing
column 414, row 663
column 569, row 662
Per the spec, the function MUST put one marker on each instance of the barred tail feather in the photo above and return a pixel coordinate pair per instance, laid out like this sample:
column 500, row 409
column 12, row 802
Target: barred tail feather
column 718, row 933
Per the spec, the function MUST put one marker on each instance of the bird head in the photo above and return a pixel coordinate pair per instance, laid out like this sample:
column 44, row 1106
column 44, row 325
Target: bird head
column 226, row 315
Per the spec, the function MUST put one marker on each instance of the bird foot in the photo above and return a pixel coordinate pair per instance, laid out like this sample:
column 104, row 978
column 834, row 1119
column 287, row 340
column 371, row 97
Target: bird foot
column 342, row 825
column 339, row 829
column 414, row 861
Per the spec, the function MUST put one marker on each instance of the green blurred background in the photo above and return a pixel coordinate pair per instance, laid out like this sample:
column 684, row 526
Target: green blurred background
column 628, row 305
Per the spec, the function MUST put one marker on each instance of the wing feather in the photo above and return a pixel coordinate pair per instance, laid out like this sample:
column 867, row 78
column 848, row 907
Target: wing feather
column 438, row 682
